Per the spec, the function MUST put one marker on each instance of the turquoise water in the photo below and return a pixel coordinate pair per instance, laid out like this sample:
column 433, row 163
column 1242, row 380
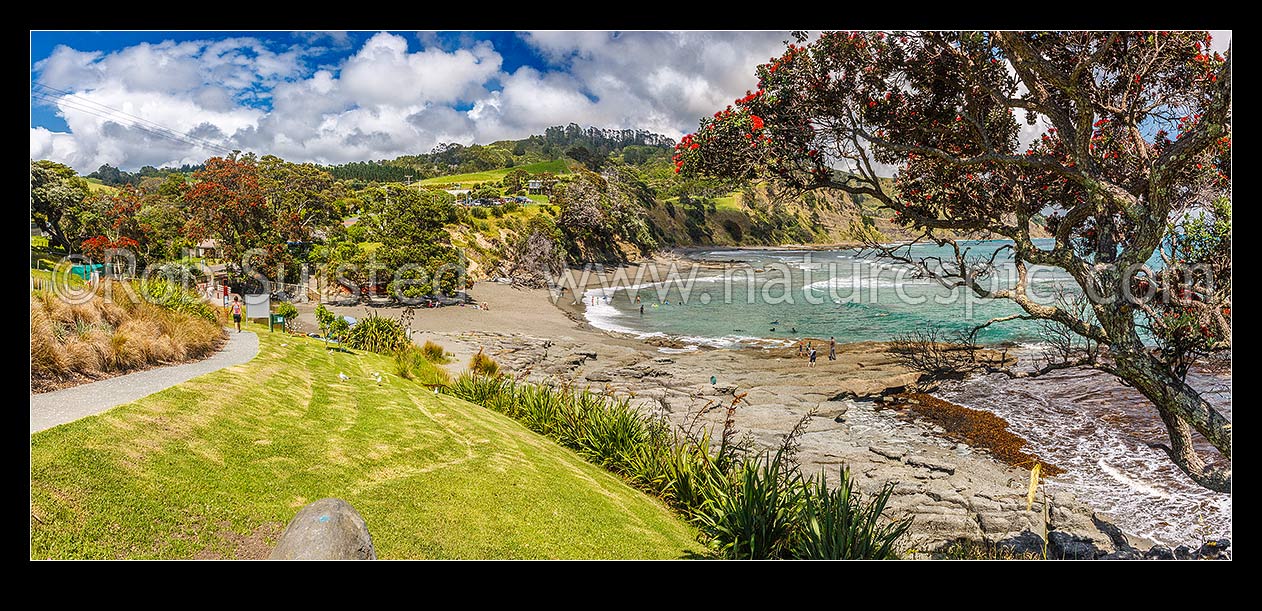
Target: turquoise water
column 1084, row 421
column 780, row 295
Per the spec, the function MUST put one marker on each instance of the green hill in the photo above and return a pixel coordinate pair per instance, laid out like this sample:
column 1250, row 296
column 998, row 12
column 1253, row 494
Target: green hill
column 556, row 166
column 215, row 467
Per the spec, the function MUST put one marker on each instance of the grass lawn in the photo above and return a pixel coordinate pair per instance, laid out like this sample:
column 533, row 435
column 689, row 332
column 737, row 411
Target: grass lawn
column 557, row 166
column 215, row 467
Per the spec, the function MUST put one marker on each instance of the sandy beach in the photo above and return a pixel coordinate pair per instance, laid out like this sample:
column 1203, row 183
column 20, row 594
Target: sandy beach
column 953, row 491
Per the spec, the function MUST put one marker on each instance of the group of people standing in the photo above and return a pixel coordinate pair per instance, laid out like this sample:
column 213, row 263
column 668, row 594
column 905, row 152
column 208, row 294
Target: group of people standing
column 807, row 348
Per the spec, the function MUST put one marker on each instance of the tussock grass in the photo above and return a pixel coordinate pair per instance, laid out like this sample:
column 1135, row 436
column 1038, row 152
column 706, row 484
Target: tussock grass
column 482, row 364
column 110, row 335
column 412, row 363
column 435, row 353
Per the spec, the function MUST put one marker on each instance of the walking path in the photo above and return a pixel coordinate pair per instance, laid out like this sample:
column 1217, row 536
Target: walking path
column 59, row 407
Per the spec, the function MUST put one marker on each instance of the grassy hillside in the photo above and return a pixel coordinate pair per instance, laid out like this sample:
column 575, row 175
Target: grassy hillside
column 97, row 187
column 215, row 467
column 557, row 166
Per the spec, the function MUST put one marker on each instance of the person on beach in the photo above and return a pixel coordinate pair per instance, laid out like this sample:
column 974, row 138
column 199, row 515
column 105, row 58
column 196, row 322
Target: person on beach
column 832, row 348
column 801, row 347
column 236, row 312
column 641, row 309
column 812, row 354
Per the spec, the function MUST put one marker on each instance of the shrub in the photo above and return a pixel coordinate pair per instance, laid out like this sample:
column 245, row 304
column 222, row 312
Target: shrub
column 434, row 353
column 479, row 213
column 411, row 363
column 755, row 517
column 378, row 334
column 511, row 207
column 288, row 310
column 757, row 506
column 838, row 525
column 482, row 364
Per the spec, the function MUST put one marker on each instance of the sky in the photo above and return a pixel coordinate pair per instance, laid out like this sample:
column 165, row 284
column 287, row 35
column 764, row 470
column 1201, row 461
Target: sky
column 158, row 98
column 132, row 99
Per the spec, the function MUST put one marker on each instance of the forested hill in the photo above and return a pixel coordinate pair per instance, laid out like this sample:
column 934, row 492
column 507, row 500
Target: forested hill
column 589, row 146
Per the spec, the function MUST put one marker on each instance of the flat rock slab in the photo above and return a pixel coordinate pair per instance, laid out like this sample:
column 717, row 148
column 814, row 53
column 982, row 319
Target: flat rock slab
column 931, row 464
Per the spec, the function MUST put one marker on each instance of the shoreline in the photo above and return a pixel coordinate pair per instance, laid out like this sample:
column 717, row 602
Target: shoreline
column 952, row 490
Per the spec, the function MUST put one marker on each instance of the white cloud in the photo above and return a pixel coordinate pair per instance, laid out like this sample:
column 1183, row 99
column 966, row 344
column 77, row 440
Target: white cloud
column 382, row 100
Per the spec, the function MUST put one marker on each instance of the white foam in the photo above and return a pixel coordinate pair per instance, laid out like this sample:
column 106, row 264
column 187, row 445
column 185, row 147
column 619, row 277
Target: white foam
column 1135, row 485
column 692, row 348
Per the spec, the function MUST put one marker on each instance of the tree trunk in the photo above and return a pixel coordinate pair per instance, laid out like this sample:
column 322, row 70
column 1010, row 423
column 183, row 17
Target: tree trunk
column 1182, row 409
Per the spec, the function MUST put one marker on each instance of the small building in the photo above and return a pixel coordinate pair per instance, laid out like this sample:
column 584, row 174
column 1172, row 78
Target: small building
column 461, row 195
column 534, row 187
column 206, row 249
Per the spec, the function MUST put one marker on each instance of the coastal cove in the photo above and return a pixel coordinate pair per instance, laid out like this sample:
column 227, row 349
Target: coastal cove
column 1071, row 419
column 954, row 491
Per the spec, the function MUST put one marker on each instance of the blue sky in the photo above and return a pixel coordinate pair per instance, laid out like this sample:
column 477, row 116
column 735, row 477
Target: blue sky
column 131, row 99
column 154, row 98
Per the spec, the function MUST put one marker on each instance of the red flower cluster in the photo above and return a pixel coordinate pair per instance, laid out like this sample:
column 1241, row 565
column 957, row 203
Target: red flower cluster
column 749, row 97
column 756, row 121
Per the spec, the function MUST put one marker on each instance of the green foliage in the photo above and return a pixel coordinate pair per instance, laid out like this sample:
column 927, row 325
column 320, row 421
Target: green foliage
column 479, row 212
column 175, row 297
column 757, row 516
column 60, row 203
column 755, row 507
column 416, row 252
column 287, row 310
column 379, row 334
column 331, row 325
column 838, row 525
column 413, row 363
column 112, row 176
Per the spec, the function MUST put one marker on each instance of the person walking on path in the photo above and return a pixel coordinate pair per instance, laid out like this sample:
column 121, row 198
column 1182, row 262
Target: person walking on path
column 832, row 348
column 236, row 312
column 813, row 355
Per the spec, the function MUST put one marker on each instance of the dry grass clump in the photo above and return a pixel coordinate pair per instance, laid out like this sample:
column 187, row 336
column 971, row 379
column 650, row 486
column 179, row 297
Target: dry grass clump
column 75, row 343
column 434, row 353
column 483, row 364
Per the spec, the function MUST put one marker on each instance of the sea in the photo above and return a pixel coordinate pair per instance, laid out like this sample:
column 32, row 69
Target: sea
column 1084, row 421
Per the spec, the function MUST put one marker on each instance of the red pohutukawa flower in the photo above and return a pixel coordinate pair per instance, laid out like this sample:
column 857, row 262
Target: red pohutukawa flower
column 756, row 121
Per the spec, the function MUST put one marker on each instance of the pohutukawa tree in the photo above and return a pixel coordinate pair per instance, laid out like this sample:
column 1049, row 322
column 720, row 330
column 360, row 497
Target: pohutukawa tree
column 1133, row 159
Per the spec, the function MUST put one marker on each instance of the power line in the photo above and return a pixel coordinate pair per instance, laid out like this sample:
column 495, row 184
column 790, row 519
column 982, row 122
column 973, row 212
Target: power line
column 82, row 101
column 71, row 101
column 142, row 128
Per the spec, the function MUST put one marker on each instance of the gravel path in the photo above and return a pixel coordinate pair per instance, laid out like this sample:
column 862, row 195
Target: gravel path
column 62, row 406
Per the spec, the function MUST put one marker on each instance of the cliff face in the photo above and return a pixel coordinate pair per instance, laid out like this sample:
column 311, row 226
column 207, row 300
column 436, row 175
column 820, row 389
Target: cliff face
column 753, row 217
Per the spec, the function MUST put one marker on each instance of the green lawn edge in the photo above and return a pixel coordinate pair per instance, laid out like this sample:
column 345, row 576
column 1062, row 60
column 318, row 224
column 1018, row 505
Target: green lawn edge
column 216, row 466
